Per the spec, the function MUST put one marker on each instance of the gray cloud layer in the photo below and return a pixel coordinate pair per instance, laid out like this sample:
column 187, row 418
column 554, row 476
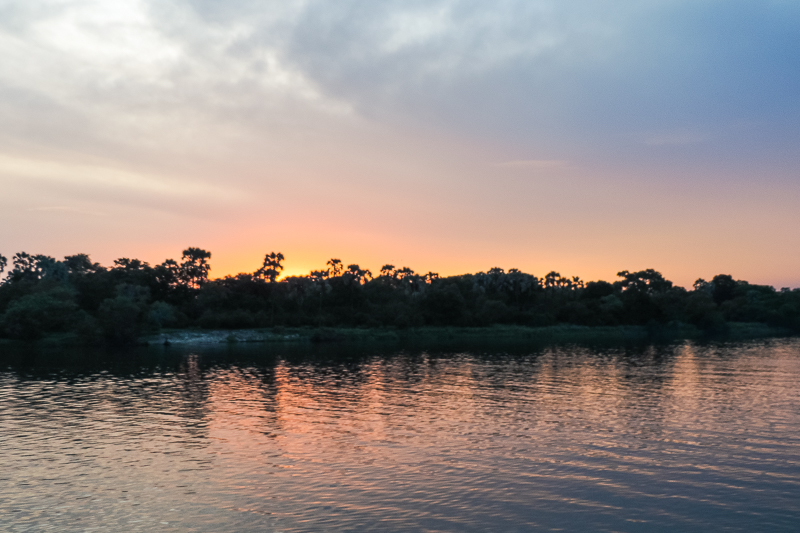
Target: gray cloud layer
column 237, row 105
column 597, row 75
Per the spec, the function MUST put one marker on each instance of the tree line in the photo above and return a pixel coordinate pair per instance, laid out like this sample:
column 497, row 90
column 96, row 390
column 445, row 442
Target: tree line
column 41, row 296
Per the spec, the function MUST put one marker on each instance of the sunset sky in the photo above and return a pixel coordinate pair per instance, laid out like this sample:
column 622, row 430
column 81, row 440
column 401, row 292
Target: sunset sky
column 450, row 136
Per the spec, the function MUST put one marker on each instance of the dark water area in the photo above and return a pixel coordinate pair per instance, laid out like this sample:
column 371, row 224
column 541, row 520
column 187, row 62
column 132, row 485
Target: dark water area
column 689, row 437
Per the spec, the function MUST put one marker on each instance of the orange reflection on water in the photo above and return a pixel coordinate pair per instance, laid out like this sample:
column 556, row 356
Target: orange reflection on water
column 677, row 437
column 387, row 435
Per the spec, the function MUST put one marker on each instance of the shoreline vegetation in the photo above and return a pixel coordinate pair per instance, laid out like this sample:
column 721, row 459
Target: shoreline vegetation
column 77, row 302
column 560, row 333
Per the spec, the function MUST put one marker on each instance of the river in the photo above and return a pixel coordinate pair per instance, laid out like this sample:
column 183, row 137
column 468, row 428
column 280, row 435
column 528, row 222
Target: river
column 686, row 436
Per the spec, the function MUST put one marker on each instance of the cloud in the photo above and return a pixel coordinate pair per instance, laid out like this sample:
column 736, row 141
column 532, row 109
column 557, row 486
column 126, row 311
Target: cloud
column 548, row 72
column 351, row 113
column 557, row 74
column 70, row 209
column 127, row 73
column 115, row 181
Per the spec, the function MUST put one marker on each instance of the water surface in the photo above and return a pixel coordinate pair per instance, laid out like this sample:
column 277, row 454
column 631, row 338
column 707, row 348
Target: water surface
column 347, row 438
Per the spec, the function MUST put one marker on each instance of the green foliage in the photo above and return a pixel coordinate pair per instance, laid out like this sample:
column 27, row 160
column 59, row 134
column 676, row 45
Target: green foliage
column 121, row 319
column 47, row 310
column 42, row 296
column 161, row 315
column 444, row 305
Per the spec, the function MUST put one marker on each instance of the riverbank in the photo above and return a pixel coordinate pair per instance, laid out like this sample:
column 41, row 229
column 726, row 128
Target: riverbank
column 561, row 333
column 428, row 334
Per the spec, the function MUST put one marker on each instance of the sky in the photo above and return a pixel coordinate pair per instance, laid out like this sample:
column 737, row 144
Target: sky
column 450, row 136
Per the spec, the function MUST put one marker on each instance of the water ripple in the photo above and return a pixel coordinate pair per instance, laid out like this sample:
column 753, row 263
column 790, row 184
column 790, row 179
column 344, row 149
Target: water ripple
column 653, row 439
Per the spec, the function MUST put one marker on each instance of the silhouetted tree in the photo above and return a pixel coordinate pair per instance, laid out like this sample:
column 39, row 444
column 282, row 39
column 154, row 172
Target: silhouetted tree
column 553, row 280
column 647, row 281
column 130, row 265
column 387, row 271
column 80, row 264
column 78, row 298
column 168, row 273
column 597, row 290
column 723, row 288
column 36, row 267
column 194, row 267
column 272, row 267
column 336, row 267
column 358, row 275
column 25, row 268
column 318, row 276
column 405, row 273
